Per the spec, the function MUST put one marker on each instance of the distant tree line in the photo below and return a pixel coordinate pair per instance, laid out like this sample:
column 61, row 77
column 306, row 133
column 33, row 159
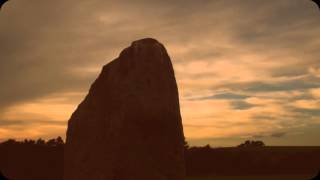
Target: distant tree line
column 32, row 159
column 56, row 142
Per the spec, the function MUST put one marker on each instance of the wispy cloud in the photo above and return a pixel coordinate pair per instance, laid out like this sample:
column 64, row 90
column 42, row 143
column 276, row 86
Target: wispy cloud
column 241, row 105
column 278, row 135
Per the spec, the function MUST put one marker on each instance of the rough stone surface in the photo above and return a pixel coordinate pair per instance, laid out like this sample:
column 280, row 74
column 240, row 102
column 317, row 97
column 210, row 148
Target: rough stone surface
column 129, row 125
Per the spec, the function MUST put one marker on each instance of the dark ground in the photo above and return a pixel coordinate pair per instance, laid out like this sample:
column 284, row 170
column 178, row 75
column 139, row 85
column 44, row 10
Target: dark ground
column 32, row 160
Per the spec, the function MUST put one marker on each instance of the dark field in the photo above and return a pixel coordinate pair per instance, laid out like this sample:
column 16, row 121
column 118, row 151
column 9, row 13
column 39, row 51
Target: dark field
column 38, row 160
column 268, row 160
column 278, row 177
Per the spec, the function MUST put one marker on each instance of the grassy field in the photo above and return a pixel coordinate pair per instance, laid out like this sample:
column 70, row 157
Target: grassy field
column 279, row 177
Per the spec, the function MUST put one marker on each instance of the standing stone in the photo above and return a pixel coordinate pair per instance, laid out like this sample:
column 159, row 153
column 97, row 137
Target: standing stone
column 129, row 125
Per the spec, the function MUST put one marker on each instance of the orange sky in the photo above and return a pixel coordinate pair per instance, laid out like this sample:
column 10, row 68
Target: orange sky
column 245, row 69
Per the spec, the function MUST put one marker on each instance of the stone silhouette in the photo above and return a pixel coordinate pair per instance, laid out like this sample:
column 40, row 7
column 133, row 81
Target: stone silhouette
column 129, row 125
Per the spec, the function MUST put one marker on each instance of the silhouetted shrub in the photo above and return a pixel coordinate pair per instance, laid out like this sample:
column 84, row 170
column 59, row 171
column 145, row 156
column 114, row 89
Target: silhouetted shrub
column 41, row 142
column 55, row 142
column 249, row 144
column 9, row 142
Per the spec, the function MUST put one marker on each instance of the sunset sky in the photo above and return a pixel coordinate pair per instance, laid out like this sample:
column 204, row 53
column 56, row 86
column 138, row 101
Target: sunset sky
column 246, row 69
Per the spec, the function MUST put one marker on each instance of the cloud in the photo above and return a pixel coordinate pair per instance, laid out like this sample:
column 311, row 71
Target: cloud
column 230, row 96
column 315, row 92
column 308, row 112
column 227, row 96
column 263, row 117
column 278, row 134
column 24, row 123
column 269, row 135
column 241, row 105
column 286, row 85
column 258, row 136
column 307, row 104
column 225, row 55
